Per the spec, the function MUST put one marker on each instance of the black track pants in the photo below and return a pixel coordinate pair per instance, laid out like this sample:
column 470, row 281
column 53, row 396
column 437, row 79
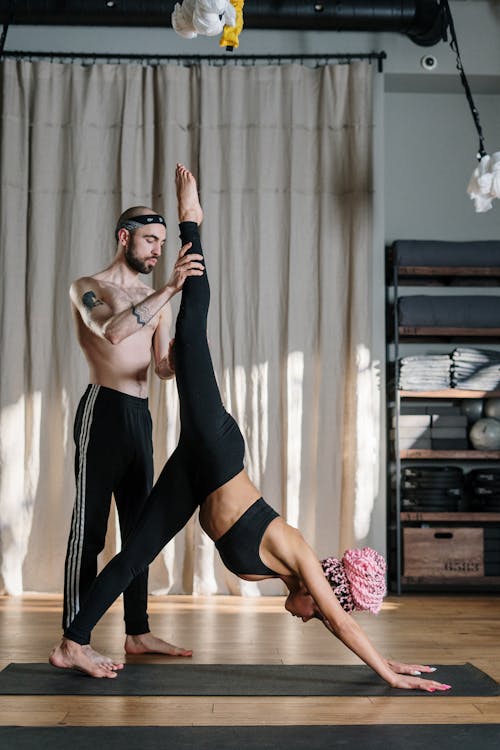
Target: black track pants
column 114, row 455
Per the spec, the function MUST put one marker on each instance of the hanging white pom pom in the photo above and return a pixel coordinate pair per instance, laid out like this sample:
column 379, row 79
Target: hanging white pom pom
column 207, row 17
column 484, row 184
column 212, row 6
column 182, row 19
column 230, row 15
column 495, row 172
column 208, row 24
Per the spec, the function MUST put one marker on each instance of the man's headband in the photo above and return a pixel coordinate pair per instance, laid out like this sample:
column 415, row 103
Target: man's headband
column 136, row 221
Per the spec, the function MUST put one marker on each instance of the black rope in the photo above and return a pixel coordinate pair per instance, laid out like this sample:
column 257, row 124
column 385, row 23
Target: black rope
column 463, row 79
column 193, row 59
column 4, row 36
column 6, row 25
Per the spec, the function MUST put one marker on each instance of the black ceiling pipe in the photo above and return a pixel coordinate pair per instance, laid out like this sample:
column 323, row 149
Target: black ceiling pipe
column 423, row 21
column 337, row 15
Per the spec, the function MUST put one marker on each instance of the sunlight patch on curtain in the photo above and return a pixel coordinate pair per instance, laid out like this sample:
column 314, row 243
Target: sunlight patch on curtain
column 171, row 435
column 294, row 380
column 367, row 440
column 20, row 471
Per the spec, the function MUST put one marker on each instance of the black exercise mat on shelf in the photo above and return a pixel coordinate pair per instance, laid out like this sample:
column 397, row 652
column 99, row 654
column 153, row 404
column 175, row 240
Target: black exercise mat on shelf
column 427, row 503
column 451, row 492
column 484, row 475
column 454, row 312
column 448, row 494
column 376, row 737
column 234, row 679
column 434, row 501
column 429, row 507
column 473, row 253
column 409, row 502
column 444, row 473
column 421, row 483
column 415, row 508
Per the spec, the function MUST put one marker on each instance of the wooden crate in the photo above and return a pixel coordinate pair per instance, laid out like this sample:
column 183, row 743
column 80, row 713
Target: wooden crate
column 443, row 552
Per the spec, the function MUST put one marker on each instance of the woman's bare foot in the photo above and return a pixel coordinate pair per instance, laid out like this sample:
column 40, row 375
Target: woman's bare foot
column 147, row 643
column 70, row 655
column 100, row 659
column 188, row 202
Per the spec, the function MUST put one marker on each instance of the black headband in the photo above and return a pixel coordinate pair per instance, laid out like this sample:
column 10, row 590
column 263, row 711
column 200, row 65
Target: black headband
column 135, row 221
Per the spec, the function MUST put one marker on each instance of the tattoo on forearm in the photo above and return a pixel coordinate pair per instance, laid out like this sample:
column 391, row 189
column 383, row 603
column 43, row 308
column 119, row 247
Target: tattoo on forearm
column 90, row 300
column 142, row 313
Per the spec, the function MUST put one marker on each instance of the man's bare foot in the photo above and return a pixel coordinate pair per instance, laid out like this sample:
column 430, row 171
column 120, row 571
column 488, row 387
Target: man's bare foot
column 147, row 643
column 188, row 202
column 70, row 655
column 100, row 659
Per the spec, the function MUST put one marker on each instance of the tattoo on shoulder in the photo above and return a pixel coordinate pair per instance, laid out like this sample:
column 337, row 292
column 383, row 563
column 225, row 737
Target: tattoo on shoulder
column 90, row 300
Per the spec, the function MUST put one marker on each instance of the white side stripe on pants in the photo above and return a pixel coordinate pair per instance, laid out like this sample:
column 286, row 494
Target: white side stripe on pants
column 78, row 519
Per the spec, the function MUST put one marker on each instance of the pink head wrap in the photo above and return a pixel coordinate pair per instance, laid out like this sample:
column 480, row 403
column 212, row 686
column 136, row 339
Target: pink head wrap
column 358, row 580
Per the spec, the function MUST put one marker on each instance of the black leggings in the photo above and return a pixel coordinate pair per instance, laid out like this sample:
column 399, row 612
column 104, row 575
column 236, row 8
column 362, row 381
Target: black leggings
column 210, row 452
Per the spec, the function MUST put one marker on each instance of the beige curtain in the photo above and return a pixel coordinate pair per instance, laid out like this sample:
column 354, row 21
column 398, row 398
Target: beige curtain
column 283, row 155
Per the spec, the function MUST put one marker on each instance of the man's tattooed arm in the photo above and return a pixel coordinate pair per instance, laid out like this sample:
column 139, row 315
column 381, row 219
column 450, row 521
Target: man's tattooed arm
column 90, row 300
column 143, row 313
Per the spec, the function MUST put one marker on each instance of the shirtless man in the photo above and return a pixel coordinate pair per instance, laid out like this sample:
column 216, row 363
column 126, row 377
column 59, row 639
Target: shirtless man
column 119, row 320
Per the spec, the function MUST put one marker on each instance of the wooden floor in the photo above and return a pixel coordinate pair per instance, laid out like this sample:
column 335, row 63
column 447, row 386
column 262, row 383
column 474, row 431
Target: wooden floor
column 429, row 629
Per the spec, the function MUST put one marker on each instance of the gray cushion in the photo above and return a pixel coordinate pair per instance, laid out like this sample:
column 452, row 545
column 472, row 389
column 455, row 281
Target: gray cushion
column 452, row 312
column 478, row 253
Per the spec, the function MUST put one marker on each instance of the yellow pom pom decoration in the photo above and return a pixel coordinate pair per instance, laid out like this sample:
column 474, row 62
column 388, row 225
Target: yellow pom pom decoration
column 230, row 34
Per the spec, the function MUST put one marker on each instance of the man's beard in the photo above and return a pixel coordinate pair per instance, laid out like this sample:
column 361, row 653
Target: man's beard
column 133, row 261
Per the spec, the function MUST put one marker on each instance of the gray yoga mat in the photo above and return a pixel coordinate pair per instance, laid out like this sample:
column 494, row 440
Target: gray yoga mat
column 445, row 253
column 233, row 679
column 386, row 737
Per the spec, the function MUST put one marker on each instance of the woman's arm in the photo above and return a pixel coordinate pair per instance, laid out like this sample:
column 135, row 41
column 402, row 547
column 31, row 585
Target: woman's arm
column 342, row 624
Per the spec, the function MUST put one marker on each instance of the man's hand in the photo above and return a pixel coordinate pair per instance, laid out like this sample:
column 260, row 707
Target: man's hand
column 186, row 265
column 165, row 369
column 171, row 356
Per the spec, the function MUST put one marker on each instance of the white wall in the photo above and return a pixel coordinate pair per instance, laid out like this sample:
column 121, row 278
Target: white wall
column 426, row 143
column 430, row 153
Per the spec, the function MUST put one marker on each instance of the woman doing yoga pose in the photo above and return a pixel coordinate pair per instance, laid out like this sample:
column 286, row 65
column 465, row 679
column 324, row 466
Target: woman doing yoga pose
column 206, row 470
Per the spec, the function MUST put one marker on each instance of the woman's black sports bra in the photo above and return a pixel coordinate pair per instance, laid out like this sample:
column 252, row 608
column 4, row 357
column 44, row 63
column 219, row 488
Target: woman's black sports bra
column 239, row 546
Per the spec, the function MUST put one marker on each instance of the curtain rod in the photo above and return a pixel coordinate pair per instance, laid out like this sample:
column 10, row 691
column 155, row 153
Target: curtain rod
column 192, row 59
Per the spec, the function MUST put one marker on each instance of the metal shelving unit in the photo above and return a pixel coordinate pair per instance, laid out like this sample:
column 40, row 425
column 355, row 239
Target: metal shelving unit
column 399, row 519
